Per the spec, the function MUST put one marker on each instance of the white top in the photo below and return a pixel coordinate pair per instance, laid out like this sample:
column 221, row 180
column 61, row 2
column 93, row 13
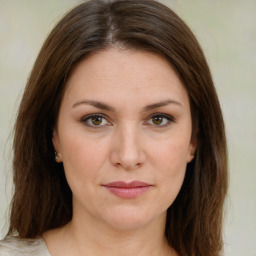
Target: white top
column 14, row 246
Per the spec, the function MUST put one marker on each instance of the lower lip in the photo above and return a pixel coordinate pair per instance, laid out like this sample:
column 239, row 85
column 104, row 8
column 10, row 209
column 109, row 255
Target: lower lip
column 128, row 193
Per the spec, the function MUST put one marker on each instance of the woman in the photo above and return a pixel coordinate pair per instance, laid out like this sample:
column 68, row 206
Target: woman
column 119, row 145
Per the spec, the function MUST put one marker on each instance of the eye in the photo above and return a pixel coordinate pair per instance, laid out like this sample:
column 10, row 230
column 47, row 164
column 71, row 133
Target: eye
column 160, row 120
column 95, row 120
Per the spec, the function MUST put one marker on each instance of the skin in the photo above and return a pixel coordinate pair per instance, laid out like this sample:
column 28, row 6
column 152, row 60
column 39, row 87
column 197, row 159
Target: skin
column 129, row 141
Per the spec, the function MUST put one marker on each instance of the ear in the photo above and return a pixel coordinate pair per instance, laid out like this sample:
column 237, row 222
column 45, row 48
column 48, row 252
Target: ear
column 192, row 148
column 56, row 144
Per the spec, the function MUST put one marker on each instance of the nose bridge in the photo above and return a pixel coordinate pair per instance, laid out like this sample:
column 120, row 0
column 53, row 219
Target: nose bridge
column 129, row 141
column 128, row 151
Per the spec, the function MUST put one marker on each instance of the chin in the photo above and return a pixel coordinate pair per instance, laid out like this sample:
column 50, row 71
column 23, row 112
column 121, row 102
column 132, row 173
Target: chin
column 128, row 218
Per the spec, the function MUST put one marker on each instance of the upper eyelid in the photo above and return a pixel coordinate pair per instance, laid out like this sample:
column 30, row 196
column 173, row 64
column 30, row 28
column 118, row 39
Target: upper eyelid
column 169, row 117
column 170, row 120
column 161, row 114
column 87, row 117
column 95, row 114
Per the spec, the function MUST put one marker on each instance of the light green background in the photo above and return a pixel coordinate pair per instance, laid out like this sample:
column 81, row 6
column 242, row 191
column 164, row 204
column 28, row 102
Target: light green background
column 226, row 30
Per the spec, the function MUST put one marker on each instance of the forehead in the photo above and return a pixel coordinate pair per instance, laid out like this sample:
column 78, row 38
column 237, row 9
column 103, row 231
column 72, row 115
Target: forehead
column 115, row 73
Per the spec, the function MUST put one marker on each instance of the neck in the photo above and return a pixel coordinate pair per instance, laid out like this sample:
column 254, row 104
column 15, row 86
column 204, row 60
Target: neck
column 99, row 240
column 94, row 238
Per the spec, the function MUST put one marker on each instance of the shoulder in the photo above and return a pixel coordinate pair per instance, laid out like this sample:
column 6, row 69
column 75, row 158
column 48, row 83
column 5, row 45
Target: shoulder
column 14, row 246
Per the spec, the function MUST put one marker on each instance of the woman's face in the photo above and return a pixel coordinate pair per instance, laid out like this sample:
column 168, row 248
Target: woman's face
column 124, row 136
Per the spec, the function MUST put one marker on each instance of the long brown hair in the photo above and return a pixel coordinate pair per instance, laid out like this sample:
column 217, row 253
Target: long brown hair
column 42, row 198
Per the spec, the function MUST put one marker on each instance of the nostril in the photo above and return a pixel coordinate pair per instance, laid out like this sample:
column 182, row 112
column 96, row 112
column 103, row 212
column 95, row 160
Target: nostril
column 128, row 166
column 127, row 151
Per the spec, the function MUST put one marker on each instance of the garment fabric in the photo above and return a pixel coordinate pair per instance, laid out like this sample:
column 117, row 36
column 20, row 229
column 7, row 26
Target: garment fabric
column 14, row 246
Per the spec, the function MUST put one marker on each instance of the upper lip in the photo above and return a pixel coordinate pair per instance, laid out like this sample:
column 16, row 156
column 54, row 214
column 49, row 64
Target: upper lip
column 123, row 184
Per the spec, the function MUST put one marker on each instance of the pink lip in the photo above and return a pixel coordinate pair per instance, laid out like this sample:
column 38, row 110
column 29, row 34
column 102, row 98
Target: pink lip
column 127, row 190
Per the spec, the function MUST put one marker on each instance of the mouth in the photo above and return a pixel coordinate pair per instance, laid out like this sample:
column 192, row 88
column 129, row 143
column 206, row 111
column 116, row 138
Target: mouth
column 127, row 190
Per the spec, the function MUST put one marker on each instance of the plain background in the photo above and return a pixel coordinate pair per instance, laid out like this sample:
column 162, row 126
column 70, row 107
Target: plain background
column 226, row 30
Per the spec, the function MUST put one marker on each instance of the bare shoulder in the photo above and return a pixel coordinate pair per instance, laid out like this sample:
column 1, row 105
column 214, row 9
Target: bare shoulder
column 14, row 246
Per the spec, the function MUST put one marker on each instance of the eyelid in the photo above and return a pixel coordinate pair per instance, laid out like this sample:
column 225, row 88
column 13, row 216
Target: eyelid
column 87, row 117
column 93, row 115
column 170, row 119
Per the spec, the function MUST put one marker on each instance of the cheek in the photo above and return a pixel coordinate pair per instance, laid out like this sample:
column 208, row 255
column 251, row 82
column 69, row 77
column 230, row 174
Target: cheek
column 82, row 158
column 170, row 161
column 172, row 153
column 171, row 172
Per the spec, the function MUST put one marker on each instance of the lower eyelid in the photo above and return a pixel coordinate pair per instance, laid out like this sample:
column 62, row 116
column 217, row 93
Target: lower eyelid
column 170, row 119
column 85, row 120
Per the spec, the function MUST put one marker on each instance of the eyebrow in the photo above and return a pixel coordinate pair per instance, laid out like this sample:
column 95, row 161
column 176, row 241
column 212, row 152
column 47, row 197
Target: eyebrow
column 104, row 106
column 161, row 104
column 95, row 104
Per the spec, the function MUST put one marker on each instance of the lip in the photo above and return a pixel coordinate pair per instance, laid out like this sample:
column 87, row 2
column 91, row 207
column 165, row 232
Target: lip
column 127, row 190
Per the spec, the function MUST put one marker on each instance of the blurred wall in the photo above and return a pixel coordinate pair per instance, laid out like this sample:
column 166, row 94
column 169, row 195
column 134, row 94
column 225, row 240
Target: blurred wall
column 226, row 30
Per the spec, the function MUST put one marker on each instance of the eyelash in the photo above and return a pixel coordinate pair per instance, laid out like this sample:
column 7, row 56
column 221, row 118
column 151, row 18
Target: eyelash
column 169, row 119
column 87, row 118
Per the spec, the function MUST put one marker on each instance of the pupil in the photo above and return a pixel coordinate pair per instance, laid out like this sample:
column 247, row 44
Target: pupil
column 158, row 120
column 97, row 120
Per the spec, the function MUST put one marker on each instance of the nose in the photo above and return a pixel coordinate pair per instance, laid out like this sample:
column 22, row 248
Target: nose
column 127, row 150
